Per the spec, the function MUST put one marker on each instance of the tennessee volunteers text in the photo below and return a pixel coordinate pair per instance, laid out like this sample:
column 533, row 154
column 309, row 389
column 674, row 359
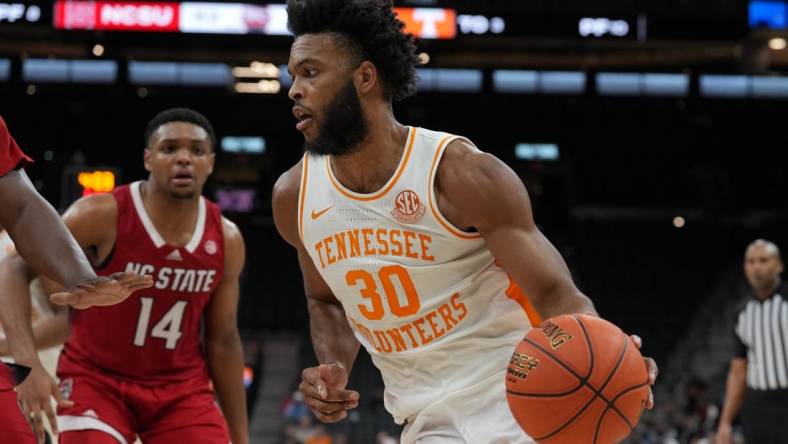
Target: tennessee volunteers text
column 418, row 332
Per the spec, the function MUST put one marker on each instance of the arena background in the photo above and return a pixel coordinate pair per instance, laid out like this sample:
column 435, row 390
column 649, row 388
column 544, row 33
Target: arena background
column 650, row 134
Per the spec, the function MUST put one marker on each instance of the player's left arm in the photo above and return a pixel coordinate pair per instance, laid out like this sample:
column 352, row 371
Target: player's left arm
column 222, row 341
column 476, row 191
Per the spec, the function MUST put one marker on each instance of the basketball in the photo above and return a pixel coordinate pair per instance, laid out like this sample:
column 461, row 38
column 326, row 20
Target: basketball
column 577, row 379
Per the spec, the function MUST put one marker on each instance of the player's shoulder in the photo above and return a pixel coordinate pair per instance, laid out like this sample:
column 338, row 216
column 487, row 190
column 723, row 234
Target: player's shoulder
column 96, row 207
column 234, row 247
column 285, row 203
column 463, row 163
column 288, row 185
column 230, row 230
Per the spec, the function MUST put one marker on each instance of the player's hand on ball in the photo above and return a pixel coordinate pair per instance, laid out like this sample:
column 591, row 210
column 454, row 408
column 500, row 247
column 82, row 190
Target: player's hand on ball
column 324, row 392
column 653, row 371
column 33, row 395
column 104, row 290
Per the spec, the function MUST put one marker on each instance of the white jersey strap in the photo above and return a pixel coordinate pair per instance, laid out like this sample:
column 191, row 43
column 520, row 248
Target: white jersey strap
column 69, row 423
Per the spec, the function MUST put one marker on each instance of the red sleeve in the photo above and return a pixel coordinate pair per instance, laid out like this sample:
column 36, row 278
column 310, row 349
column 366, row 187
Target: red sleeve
column 11, row 157
column 6, row 378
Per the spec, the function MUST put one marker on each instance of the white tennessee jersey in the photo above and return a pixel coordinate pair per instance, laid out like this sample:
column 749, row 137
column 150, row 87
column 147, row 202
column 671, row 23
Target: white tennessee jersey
column 426, row 300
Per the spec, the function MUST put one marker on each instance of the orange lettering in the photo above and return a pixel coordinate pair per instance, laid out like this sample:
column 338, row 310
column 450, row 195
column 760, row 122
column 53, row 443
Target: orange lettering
column 384, row 342
column 318, row 247
column 341, row 247
column 459, row 306
column 329, row 255
column 448, row 319
column 367, row 233
column 435, row 329
column 425, row 247
column 424, row 339
column 396, row 337
column 380, row 233
column 409, row 236
column 355, row 249
column 414, row 304
column 366, row 333
column 369, row 292
column 395, row 243
column 407, row 328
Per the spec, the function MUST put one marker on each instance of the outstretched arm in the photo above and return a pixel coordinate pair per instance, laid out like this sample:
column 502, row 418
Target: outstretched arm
column 38, row 233
column 222, row 341
column 46, row 244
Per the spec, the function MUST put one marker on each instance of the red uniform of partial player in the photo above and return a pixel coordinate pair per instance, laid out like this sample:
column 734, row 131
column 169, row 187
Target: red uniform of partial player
column 13, row 426
column 139, row 365
column 11, row 156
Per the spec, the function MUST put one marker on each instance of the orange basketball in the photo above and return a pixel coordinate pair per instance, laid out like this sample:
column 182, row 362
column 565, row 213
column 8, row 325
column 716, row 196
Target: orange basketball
column 577, row 379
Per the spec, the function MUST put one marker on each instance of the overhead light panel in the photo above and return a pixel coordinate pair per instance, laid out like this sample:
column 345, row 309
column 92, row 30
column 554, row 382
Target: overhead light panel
column 537, row 151
column 777, row 44
column 261, row 87
column 257, row 70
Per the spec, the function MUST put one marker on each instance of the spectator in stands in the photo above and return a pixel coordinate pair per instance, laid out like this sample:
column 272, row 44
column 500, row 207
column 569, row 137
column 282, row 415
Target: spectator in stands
column 699, row 413
column 758, row 376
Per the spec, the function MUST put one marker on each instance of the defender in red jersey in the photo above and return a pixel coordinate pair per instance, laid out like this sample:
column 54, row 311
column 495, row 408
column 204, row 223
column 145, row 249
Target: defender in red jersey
column 43, row 240
column 140, row 368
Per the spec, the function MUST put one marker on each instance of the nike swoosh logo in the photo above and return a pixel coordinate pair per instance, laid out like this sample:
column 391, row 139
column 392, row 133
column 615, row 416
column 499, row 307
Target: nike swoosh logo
column 316, row 214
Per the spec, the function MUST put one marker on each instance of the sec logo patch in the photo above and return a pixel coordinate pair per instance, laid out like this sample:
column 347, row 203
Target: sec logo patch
column 408, row 208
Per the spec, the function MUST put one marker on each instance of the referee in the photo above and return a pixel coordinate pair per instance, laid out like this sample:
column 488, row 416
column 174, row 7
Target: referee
column 758, row 376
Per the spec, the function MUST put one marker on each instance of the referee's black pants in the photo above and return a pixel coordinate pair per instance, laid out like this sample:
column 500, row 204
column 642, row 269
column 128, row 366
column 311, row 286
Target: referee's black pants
column 764, row 417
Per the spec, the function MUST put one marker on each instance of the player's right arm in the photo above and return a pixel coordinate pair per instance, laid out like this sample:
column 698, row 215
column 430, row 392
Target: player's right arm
column 335, row 345
column 38, row 234
column 42, row 239
column 734, row 395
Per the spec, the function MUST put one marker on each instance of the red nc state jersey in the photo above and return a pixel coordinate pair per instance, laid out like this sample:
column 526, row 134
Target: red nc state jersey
column 153, row 336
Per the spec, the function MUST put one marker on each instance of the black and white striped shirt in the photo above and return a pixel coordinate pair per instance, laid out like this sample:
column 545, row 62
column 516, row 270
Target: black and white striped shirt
column 762, row 338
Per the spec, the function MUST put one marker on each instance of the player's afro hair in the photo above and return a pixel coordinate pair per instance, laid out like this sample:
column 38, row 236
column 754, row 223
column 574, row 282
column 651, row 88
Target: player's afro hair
column 369, row 30
column 180, row 115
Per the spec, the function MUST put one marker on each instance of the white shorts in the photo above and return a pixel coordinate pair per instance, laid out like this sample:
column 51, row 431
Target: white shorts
column 478, row 414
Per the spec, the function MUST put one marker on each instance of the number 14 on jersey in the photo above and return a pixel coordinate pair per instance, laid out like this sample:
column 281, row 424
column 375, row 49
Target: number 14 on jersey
column 168, row 327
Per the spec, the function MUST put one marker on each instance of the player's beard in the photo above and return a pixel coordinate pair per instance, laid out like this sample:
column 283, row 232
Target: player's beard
column 343, row 127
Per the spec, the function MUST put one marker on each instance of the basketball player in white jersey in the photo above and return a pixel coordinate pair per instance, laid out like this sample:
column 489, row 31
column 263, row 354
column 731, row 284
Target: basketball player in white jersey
column 412, row 243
